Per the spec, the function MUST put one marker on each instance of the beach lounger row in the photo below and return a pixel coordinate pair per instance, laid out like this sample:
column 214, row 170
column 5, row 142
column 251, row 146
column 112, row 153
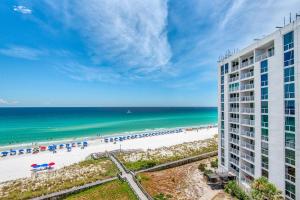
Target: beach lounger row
column 51, row 148
column 141, row 135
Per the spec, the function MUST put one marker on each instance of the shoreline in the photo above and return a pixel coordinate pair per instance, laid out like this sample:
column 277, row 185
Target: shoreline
column 92, row 138
column 18, row 166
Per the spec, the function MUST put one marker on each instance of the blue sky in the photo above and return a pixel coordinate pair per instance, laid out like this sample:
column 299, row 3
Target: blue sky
column 124, row 53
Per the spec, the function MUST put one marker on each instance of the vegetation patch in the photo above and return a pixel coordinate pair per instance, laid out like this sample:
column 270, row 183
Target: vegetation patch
column 109, row 191
column 145, row 159
column 53, row 181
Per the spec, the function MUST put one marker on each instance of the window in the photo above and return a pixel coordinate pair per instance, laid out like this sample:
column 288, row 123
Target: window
column 289, row 58
column 264, row 162
column 288, row 40
column 290, row 190
column 289, row 74
column 264, row 148
column 264, row 80
column 264, row 121
column 290, row 173
column 222, row 70
column 289, row 90
column 290, row 156
column 289, row 106
column 263, row 66
column 290, row 140
column 226, row 68
column 222, row 79
column 265, row 173
column 264, row 107
column 264, row 93
column 264, row 134
column 222, row 97
column 222, row 106
column 290, row 124
column 222, row 88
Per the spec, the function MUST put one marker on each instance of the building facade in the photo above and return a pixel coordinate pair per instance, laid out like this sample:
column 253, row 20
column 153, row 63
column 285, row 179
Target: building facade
column 259, row 113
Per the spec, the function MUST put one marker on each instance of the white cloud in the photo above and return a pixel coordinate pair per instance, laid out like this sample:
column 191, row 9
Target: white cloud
column 22, row 52
column 22, row 9
column 7, row 102
column 128, row 34
column 236, row 6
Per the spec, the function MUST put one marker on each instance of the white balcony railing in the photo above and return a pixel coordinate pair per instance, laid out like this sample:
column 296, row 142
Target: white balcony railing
column 247, row 98
column 248, row 122
column 234, row 120
column 234, row 130
column 247, row 157
column 233, row 99
column 233, row 79
column 248, row 110
column 247, row 86
column 247, row 169
column 235, row 141
column 247, row 145
column 234, row 109
column 247, row 75
column 248, row 133
column 234, row 151
column 247, row 63
column 234, row 161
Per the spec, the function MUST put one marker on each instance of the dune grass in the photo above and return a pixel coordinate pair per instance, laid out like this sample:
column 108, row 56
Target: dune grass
column 114, row 190
column 142, row 160
column 71, row 176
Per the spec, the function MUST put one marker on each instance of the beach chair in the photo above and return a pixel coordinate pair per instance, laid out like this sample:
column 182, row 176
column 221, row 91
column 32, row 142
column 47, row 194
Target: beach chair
column 85, row 144
column 61, row 146
column 69, row 149
column 4, row 153
column 13, row 152
column 21, row 151
column 29, row 150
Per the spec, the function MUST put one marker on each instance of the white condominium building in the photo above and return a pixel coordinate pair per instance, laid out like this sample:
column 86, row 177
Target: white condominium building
column 259, row 111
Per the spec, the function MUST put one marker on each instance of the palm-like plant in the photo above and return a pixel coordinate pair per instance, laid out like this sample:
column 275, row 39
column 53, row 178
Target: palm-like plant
column 262, row 189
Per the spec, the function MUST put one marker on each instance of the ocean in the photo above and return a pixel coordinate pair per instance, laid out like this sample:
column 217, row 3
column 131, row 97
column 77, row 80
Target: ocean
column 26, row 125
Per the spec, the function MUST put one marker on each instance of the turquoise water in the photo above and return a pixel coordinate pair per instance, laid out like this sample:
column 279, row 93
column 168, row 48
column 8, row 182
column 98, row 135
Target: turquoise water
column 22, row 125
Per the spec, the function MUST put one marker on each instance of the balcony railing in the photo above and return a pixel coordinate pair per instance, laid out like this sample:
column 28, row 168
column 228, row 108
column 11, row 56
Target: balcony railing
column 234, row 109
column 248, row 110
column 234, row 161
column 290, row 177
column 264, row 55
column 290, row 144
column 247, row 75
column 233, row 89
column 234, row 120
column 235, row 141
column 247, row 157
column 247, row 169
column 248, row 122
column 248, row 133
column 247, row 86
column 233, row 79
column 247, row 145
column 234, row 130
column 265, row 165
column 234, row 151
column 247, row 98
column 247, row 63
column 233, row 99
column 234, row 68
column 265, row 138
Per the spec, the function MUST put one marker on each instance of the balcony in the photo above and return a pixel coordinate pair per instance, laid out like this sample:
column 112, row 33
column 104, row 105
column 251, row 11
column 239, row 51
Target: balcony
column 248, row 133
column 234, row 120
column 247, row 169
column 247, row 63
column 290, row 178
column 233, row 99
column 247, row 157
column 264, row 138
column 247, row 145
column 234, row 141
column 234, row 151
column 247, row 75
column 234, row 161
column 234, row 109
column 233, row 79
column 234, row 68
column 247, row 122
column 290, row 144
column 247, row 87
column 264, row 55
column 247, row 98
column 234, row 130
column 248, row 110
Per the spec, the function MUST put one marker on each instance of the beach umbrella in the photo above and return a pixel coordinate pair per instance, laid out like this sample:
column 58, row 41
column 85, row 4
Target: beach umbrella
column 33, row 165
column 36, row 166
column 51, row 164
column 85, row 143
column 44, row 165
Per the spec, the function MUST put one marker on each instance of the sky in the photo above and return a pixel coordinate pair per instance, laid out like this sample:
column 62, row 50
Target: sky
column 124, row 53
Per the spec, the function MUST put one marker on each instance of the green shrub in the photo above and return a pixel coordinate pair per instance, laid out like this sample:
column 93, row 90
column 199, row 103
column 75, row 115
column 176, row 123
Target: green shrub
column 263, row 189
column 207, row 172
column 234, row 189
column 162, row 196
column 202, row 167
column 214, row 163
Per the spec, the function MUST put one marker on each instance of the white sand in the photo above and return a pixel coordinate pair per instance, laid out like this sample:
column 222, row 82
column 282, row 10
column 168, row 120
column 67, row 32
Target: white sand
column 18, row 166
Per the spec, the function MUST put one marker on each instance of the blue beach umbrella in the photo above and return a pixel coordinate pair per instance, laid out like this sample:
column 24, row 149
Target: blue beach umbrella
column 4, row 153
column 28, row 150
column 44, row 165
column 85, row 143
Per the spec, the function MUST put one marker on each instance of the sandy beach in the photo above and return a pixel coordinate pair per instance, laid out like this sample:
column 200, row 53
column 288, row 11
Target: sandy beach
column 14, row 167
